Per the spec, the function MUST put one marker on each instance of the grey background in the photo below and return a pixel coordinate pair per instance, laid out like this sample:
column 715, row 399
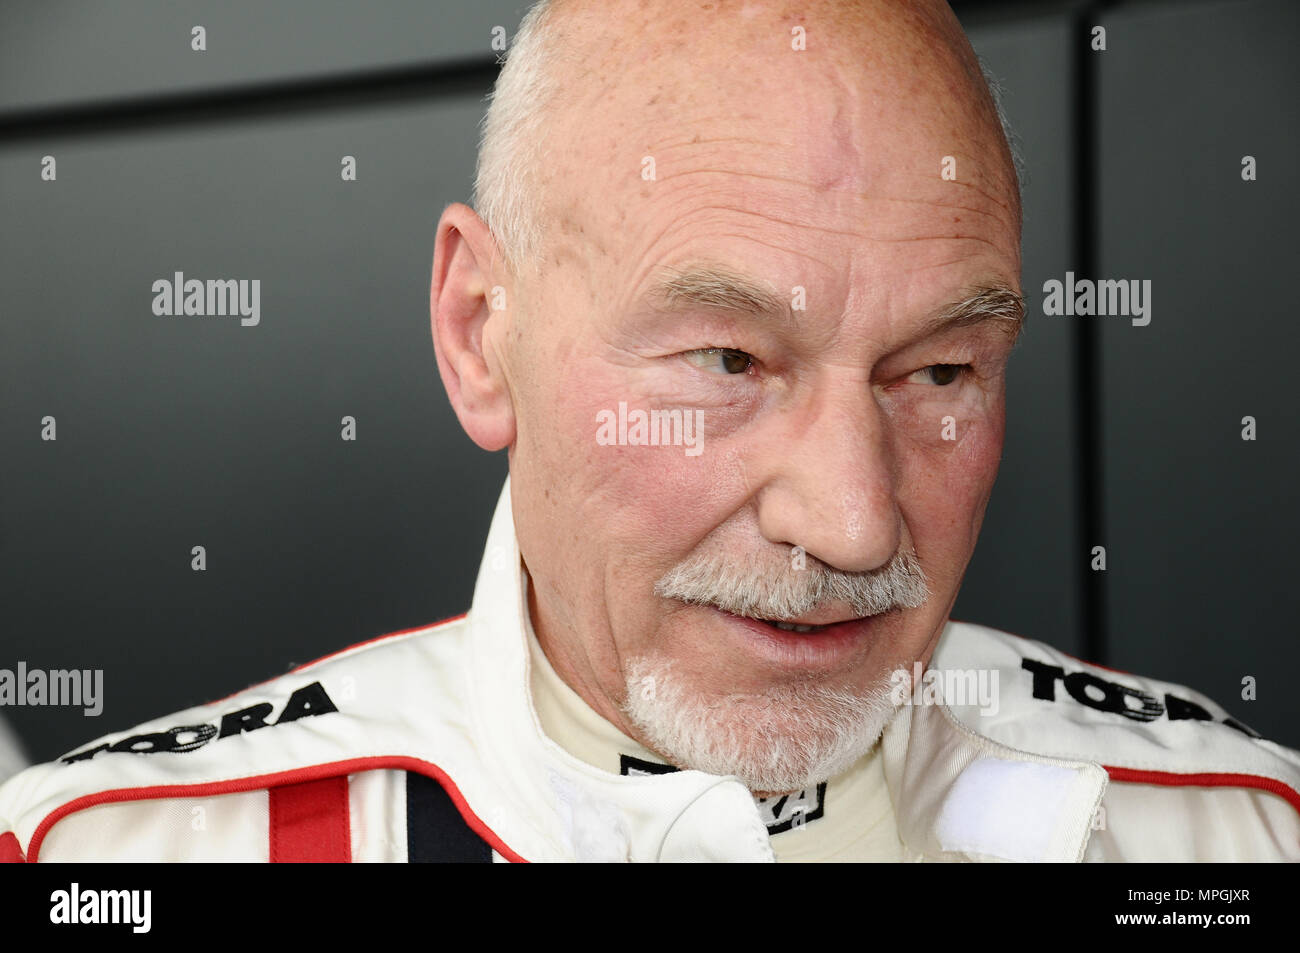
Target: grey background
column 226, row 163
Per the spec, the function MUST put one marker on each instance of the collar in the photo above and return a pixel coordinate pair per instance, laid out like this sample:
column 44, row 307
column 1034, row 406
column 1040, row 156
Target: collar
column 957, row 795
column 552, row 805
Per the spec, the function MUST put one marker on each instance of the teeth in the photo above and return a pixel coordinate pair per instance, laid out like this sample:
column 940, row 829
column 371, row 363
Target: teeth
column 788, row 627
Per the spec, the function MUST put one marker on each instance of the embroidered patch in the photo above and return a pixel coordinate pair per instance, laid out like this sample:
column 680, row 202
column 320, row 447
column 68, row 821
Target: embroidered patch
column 308, row 700
column 1111, row 697
column 780, row 813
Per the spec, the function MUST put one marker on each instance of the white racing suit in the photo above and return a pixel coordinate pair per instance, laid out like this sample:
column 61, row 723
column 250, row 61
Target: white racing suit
column 424, row 745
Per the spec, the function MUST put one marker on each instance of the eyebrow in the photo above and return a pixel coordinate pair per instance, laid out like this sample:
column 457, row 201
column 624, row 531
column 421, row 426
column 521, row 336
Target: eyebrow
column 715, row 287
column 712, row 286
column 993, row 302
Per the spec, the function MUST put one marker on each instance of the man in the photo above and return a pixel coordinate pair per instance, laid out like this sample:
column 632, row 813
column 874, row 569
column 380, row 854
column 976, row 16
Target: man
column 738, row 302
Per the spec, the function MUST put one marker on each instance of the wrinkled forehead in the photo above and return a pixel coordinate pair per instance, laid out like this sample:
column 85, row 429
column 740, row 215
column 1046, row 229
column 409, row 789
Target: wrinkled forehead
column 801, row 129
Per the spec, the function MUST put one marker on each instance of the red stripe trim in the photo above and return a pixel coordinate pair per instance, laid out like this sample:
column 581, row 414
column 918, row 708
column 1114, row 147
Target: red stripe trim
column 1170, row 779
column 378, row 638
column 257, row 782
column 310, row 822
column 11, row 852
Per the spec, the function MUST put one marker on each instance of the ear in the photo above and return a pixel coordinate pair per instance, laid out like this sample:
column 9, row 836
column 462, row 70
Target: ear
column 466, row 330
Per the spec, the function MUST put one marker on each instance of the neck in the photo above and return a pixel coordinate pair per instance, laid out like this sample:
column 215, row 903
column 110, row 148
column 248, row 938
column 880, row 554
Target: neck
column 574, row 669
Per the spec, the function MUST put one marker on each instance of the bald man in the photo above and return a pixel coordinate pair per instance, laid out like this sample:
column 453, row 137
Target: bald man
column 737, row 300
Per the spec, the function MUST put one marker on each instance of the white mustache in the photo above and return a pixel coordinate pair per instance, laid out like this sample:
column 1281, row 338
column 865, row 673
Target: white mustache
column 759, row 592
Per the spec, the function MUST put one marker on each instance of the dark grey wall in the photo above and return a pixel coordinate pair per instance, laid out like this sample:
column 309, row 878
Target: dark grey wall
column 175, row 433
column 1198, row 524
column 1202, row 525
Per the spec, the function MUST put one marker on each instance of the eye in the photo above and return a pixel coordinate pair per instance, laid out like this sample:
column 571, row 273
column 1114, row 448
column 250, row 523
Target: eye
column 941, row 375
column 725, row 359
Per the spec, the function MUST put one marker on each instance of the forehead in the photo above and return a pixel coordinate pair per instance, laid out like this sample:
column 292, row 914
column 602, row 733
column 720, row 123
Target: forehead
column 802, row 168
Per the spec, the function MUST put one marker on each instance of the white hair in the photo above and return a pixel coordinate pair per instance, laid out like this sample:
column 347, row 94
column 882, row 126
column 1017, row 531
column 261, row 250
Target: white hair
column 506, row 191
column 997, row 93
column 786, row 738
column 510, row 143
column 747, row 587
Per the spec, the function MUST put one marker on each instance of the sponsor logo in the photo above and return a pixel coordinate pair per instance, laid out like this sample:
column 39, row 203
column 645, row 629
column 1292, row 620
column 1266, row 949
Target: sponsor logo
column 1104, row 695
column 308, row 700
column 781, row 812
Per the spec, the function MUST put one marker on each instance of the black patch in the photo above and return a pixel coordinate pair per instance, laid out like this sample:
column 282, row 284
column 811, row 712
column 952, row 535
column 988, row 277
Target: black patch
column 435, row 831
column 628, row 765
column 779, row 813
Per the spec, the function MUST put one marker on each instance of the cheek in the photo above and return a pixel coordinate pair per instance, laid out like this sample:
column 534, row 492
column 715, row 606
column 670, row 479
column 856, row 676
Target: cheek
column 642, row 505
column 948, row 459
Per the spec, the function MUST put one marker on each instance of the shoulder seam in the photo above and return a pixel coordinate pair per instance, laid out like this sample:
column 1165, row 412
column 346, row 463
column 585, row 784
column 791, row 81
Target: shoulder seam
column 339, row 653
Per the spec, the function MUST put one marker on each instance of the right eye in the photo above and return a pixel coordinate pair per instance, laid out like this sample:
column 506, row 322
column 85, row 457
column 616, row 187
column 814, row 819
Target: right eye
column 724, row 360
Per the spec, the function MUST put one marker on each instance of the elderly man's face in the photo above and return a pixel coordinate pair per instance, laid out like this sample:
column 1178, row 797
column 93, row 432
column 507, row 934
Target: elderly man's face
column 842, row 420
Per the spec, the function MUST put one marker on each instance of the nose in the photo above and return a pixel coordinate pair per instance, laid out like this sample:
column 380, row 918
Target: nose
column 830, row 482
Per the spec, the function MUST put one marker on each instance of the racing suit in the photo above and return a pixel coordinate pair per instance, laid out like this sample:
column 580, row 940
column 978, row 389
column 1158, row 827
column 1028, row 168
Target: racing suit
column 425, row 745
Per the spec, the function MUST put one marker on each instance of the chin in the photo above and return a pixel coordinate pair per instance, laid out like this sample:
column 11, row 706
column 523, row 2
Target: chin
column 781, row 739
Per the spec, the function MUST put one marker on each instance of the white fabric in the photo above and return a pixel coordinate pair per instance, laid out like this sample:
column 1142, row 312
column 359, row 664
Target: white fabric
column 228, row 828
column 377, row 816
column 1020, row 829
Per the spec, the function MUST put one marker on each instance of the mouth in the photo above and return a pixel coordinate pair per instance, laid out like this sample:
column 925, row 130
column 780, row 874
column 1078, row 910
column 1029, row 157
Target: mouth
column 817, row 644
column 796, row 627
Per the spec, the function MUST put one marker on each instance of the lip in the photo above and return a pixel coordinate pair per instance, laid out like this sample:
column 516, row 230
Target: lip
column 814, row 651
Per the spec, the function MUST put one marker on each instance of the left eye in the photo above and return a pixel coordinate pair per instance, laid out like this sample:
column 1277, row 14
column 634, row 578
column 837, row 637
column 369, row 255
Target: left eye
column 942, row 375
column 727, row 360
